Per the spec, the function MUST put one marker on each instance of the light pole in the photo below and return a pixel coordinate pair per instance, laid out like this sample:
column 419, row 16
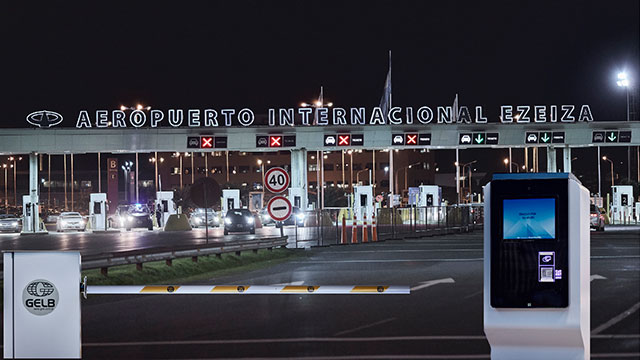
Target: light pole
column 405, row 175
column 358, row 175
column 155, row 160
column 623, row 81
column 465, row 165
column 609, row 160
column 261, row 164
column 6, row 202
column 506, row 163
column 15, row 169
column 126, row 168
column 320, row 154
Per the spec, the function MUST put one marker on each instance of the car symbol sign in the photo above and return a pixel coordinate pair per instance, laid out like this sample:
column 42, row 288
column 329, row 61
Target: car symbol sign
column 546, row 259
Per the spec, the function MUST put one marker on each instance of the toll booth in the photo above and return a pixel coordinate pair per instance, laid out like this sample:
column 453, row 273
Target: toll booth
column 297, row 198
column 256, row 200
column 42, row 305
column 537, row 267
column 164, row 203
column 31, row 215
column 98, row 211
column 638, row 212
column 230, row 200
column 363, row 201
column 622, row 204
column 429, row 195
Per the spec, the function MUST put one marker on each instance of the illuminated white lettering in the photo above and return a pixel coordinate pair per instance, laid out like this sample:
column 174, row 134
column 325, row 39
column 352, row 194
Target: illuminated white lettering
column 305, row 113
column 479, row 118
column 210, row 118
column 539, row 113
column 585, row 114
column 286, row 117
column 567, row 113
column 358, row 116
column 137, row 118
column 323, row 116
column 102, row 118
column 193, row 118
column 339, row 116
column 409, row 113
column 393, row 116
column 156, row 117
column 117, row 118
column 377, row 117
column 523, row 111
column 246, row 117
column 554, row 113
column 272, row 117
column 444, row 114
column 506, row 113
column 463, row 115
column 425, row 115
column 83, row 120
column 176, row 117
column 227, row 113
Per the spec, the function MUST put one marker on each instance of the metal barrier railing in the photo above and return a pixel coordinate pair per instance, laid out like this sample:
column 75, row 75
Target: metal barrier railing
column 325, row 227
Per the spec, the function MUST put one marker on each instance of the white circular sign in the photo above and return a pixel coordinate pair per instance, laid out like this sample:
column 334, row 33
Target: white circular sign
column 40, row 297
column 279, row 208
column 276, row 180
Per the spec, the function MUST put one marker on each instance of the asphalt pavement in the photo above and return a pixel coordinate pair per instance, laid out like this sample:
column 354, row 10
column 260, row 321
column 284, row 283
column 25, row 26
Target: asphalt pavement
column 440, row 319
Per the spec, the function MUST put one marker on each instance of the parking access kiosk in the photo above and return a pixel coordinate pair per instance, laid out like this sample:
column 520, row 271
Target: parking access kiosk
column 230, row 200
column 536, row 267
column 98, row 211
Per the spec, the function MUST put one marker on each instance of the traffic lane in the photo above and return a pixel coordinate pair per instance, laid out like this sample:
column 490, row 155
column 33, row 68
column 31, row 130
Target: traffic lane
column 137, row 239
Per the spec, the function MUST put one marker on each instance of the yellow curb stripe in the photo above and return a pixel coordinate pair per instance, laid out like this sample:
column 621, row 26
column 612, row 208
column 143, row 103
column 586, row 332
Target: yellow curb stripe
column 299, row 289
column 369, row 289
column 229, row 289
column 160, row 289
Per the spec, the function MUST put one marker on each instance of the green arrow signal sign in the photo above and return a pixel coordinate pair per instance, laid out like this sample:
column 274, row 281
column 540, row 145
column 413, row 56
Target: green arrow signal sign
column 545, row 137
column 612, row 136
column 479, row 139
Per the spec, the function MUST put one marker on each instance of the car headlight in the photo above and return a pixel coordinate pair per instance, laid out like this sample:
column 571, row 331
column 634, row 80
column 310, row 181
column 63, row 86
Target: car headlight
column 197, row 220
column 249, row 219
column 15, row 223
column 227, row 221
column 63, row 222
column 300, row 216
column 129, row 218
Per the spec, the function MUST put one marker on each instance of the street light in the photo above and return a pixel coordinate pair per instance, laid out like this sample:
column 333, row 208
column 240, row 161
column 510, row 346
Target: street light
column 126, row 168
column 261, row 164
column 358, row 175
column 15, row 169
column 506, row 163
column 609, row 160
column 465, row 165
column 623, row 81
column 405, row 175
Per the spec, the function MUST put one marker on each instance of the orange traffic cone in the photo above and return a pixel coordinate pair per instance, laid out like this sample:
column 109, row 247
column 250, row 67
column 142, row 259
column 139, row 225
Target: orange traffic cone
column 343, row 239
column 354, row 230
column 374, row 228
column 365, row 230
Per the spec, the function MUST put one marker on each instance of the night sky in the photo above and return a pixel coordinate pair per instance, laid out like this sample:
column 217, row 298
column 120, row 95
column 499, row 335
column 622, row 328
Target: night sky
column 67, row 56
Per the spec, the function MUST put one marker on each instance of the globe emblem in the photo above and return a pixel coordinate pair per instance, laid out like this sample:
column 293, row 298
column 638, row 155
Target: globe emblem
column 40, row 288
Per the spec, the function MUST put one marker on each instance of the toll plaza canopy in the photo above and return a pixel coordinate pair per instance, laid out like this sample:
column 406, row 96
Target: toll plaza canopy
column 272, row 138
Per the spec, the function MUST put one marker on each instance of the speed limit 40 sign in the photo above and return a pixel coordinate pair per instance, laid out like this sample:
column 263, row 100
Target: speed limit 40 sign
column 276, row 180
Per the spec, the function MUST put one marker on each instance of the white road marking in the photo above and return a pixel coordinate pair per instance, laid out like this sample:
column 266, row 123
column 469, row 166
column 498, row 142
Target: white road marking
column 426, row 284
column 616, row 319
column 597, row 277
column 364, row 327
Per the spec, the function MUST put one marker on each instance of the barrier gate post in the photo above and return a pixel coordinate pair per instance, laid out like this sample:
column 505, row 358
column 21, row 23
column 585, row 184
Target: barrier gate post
column 42, row 300
column 537, row 267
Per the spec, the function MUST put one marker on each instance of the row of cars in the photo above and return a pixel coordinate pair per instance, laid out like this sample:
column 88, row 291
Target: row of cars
column 240, row 220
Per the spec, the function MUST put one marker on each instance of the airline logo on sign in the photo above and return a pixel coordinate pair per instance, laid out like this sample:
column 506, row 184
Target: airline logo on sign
column 206, row 142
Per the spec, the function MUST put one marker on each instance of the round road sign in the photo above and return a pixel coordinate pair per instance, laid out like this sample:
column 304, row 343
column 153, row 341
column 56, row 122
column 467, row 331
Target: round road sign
column 379, row 198
column 279, row 208
column 276, row 180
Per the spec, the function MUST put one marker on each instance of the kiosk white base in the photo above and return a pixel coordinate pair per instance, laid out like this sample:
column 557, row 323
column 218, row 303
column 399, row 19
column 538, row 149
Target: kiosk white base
column 545, row 333
column 42, row 304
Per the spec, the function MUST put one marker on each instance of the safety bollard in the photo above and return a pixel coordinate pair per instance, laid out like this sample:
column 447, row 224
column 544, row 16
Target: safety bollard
column 343, row 239
column 365, row 230
column 374, row 228
column 354, row 230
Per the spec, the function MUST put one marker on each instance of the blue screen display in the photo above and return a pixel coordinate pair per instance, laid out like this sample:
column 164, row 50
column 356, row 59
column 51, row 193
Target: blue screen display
column 529, row 219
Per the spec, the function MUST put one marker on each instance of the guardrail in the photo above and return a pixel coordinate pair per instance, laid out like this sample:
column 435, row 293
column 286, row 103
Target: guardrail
column 139, row 257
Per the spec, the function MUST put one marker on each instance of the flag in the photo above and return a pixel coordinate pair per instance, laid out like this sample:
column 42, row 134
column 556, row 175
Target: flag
column 319, row 103
column 454, row 110
column 385, row 101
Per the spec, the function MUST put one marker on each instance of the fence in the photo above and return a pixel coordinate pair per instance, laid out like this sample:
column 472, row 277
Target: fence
column 325, row 227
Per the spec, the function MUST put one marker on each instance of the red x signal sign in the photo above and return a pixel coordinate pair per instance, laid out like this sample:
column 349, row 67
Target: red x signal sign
column 344, row 140
column 206, row 142
column 411, row 139
column 275, row 141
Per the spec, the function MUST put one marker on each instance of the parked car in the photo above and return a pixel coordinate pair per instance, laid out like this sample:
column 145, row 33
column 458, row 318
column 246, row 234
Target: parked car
column 239, row 220
column 596, row 218
column 10, row 223
column 70, row 221
column 52, row 217
column 197, row 218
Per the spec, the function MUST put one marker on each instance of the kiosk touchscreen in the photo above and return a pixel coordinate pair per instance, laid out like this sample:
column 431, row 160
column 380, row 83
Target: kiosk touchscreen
column 536, row 252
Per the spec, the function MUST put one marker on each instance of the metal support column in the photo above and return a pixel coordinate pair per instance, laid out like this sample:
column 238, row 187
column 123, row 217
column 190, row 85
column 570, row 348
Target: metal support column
column 299, row 173
column 551, row 159
column 566, row 159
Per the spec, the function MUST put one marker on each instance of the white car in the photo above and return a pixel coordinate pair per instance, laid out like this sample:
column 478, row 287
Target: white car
column 330, row 140
column 398, row 139
column 465, row 139
column 70, row 221
column 532, row 138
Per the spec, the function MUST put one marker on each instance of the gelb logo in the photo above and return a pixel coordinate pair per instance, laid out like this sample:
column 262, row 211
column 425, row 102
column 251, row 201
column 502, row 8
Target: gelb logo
column 40, row 297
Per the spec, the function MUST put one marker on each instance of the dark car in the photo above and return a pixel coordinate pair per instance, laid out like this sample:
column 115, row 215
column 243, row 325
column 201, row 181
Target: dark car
column 297, row 218
column 10, row 223
column 138, row 216
column 596, row 218
column 239, row 220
